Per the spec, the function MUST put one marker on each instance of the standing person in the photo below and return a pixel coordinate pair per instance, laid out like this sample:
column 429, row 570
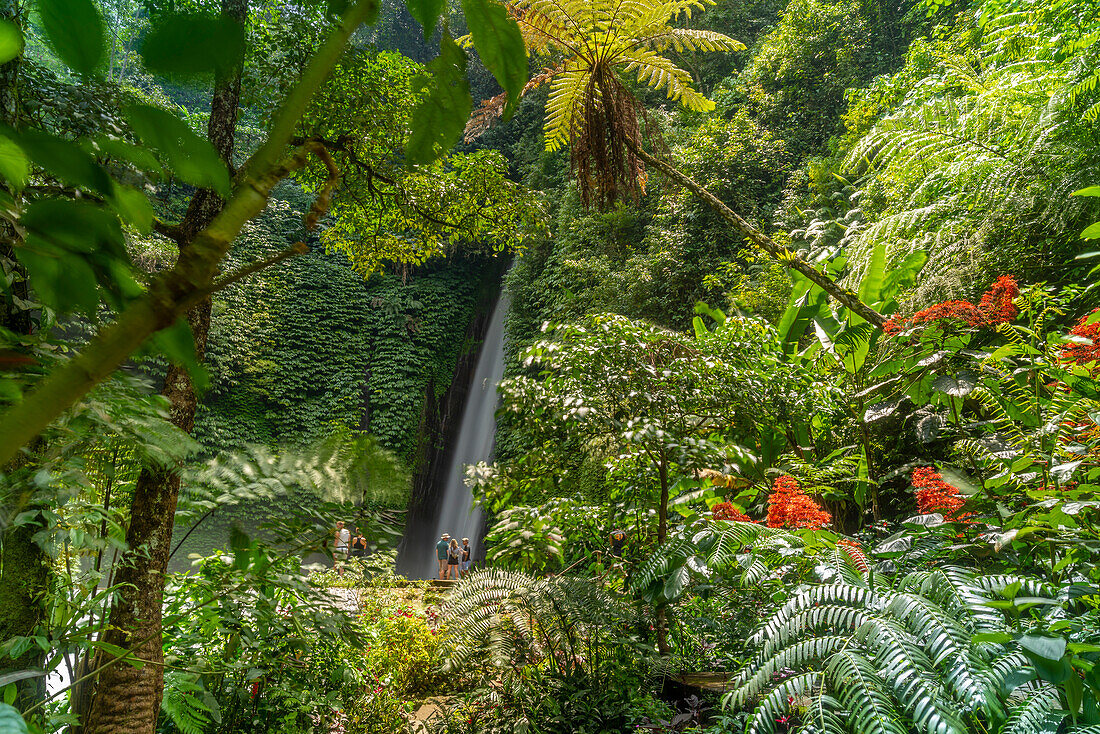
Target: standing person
column 454, row 558
column 441, row 554
column 465, row 567
column 358, row 545
column 341, row 544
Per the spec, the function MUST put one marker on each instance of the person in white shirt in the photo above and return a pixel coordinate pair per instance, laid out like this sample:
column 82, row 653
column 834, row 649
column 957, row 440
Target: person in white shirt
column 342, row 541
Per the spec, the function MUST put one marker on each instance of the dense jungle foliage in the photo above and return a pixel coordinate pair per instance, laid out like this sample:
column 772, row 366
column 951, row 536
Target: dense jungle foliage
column 800, row 423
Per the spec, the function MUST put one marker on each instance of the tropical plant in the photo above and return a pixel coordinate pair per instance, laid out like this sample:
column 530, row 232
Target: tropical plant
column 596, row 114
column 930, row 652
column 507, row 624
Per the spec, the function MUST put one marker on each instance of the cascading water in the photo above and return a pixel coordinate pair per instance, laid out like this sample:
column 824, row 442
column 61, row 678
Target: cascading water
column 476, row 434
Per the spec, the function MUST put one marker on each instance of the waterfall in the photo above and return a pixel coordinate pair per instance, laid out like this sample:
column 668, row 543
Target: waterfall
column 476, row 434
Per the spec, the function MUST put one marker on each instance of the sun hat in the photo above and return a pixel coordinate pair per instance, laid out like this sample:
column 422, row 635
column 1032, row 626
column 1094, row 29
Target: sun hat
column 445, row 535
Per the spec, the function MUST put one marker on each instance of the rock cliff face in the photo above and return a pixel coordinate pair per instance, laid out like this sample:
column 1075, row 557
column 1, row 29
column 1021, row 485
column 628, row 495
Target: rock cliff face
column 439, row 424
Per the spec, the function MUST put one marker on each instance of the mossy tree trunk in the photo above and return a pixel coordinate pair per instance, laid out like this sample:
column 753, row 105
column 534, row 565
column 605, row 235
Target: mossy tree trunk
column 24, row 581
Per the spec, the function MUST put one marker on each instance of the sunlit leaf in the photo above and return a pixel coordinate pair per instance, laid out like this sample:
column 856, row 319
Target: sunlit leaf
column 11, row 41
column 441, row 116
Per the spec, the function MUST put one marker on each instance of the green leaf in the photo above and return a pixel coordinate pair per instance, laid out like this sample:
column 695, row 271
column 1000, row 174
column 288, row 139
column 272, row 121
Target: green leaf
column 441, row 115
column 63, row 281
column 193, row 43
column 426, row 13
column 1091, row 232
column 870, row 287
column 140, row 158
column 11, row 41
column 193, row 159
column 134, row 208
column 1047, row 647
column 65, row 160
column 14, row 166
column 11, row 721
column 75, row 31
column 957, row 386
column 19, row 675
column 499, row 44
column 178, row 344
column 1088, row 191
column 76, row 226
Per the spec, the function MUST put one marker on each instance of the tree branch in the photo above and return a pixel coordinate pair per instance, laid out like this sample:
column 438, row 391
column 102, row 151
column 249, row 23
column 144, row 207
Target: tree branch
column 175, row 291
column 842, row 295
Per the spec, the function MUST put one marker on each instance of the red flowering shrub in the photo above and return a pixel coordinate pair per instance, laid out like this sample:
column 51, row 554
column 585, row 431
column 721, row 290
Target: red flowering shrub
column 790, row 507
column 995, row 307
column 853, row 550
column 726, row 511
column 1084, row 353
column 933, row 494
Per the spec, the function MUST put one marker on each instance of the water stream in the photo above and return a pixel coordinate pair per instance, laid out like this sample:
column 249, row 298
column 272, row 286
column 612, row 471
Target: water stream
column 476, row 434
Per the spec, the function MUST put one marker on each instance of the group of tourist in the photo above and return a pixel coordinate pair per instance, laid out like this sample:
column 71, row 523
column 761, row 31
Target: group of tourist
column 454, row 559
column 346, row 545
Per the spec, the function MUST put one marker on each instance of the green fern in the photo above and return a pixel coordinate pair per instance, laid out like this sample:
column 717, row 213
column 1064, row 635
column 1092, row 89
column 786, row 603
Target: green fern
column 501, row 621
column 895, row 659
column 185, row 704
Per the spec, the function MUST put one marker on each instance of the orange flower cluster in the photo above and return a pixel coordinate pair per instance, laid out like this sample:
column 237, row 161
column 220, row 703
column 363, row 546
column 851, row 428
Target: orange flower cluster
column 933, row 494
column 790, row 507
column 1084, row 353
column 995, row 307
column 854, row 551
column 726, row 511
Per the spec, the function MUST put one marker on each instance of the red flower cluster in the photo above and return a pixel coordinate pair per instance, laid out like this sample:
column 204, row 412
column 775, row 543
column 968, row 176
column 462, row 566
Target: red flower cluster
column 995, row 307
column 790, row 507
column 726, row 511
column 854, row 551
column 933, row 494
column 1084, row 353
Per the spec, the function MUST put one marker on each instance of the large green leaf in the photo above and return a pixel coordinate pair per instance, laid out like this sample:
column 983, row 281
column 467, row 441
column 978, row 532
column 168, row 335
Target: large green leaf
column 499, row 44
column 870, row 288
column 13, row 164
column 11, row 41
column 805, row 305
column 193, row 159
column 62, row 280
column 178, row 344
column 441, row 115
column 11, row 721
column 193, row 43
column 426, row 13
column 75, row 31
column 76, row 226
column 65, row 160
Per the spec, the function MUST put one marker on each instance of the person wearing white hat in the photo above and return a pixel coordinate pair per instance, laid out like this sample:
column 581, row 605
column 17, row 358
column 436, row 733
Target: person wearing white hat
column 441, row 554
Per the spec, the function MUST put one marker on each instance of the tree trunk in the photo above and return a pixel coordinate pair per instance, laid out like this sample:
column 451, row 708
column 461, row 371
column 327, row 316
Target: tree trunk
column 661, row 622
column 127, row 698
column 842, row 295
column 24, row 581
